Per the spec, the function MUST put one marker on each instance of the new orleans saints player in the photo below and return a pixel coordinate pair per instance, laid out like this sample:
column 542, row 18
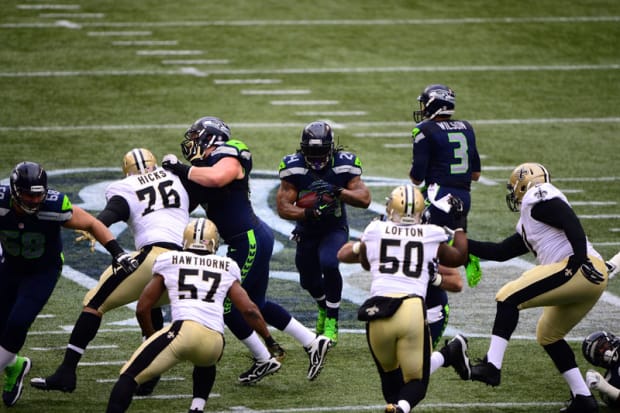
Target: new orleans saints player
column 197, row 283
column 155, row 205
column 402, row 254
column 567, row 282
column 318, row 166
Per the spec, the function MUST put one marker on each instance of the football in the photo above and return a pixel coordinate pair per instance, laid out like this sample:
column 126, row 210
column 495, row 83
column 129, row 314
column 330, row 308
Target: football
column 308, row 200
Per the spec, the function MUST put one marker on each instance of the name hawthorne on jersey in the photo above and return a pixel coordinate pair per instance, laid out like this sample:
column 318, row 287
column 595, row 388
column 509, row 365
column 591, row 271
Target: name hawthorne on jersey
column 202, row 261
column 407, row 231
column 151, row 176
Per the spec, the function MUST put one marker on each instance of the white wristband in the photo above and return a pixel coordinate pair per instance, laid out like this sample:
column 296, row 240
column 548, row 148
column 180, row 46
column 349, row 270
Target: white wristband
column 437, row 281
column 356, row 247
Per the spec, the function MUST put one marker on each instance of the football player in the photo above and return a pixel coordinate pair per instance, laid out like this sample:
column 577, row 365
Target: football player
column 602, row 349
column 402, row 255
column 155, row 205
column 321, row 229
column 220, row 171
column 31, row 216
column 196, row 281
column 445, row 161
column 567, row 282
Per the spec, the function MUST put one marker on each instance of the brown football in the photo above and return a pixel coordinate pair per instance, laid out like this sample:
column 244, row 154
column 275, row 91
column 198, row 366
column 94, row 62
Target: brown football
column 308, row 200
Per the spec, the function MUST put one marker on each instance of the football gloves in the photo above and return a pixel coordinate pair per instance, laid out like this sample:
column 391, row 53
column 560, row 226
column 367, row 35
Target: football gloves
column 322, row 207
column 587, row 269
column 126, row 262
column 457, row 212
column 171, row 163
column 323, row 187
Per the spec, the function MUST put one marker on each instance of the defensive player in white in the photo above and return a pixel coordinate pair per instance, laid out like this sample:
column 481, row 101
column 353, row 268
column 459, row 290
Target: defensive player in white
column 155, row 205
column 196, row 281
column 402, row 255
column 567, row 282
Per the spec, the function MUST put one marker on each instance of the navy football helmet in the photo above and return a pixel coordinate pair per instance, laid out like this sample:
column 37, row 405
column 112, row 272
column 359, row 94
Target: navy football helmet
column 28, row 184
column 601, row 349
column 317, row 144
column 204, row 133
column 435, row 100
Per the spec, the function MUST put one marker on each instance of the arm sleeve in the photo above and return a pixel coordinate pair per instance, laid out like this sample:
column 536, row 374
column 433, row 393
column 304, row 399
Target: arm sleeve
column 117, row 209
column 559, row 214
column 511, row 247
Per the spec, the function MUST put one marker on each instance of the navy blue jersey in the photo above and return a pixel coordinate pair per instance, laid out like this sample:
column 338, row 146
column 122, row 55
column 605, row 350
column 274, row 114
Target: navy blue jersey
column 31, row 243
column 612, row 376
column 344, row 167
column 229, row 207
column 445, row 153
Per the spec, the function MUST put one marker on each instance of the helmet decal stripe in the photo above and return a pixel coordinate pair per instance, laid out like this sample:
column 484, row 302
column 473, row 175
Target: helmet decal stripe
column 140, row 161
column 200, row 225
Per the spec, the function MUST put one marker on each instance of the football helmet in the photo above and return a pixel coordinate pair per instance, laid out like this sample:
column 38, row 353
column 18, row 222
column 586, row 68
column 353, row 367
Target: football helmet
column 522, row 178
column 28, row 183
column 405, row 205
column 317, row 144
column 601, row 349
column 204, row 133
column 139, row 161
column 435, row 100
column 201, row 236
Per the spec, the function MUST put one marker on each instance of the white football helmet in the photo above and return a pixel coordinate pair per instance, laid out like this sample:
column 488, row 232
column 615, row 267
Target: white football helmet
column 139, row 161
column 201, row 236
column 522, row 178
column 405, row 205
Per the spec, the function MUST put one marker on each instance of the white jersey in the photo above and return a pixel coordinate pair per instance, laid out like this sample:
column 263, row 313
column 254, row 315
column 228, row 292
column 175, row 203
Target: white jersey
column 400, row 255
column 549, row 244
column 197, row 285
column 158, row 206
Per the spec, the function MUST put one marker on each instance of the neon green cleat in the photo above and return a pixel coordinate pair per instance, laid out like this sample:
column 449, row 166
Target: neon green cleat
column 14, row 380
column 320, row 321
column 331, row 330
column 473, row 271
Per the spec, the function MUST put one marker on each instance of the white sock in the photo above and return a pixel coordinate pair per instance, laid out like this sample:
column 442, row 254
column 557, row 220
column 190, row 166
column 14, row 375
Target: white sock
column 497, row 348
column 6, row 358
column 257, row 347
column 299, row 332
column 404, row 404
column 576, row 382
column 198, row 404
column 437, row 361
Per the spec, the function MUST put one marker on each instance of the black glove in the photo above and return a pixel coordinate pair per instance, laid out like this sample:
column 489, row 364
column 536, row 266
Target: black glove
column 457, row 212
column 323, row 187
column 127, row 262
column 171, row 163
column 587, row 269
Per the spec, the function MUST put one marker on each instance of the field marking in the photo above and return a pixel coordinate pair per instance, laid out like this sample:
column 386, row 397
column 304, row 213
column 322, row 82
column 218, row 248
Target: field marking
column 307, row 71
column 134, row 33
column 145, row 43
column 246, row 81
column 276, row 92
column 72, row 15
column 48, row 6
column 340, row 22
column 303, row 102
column 168, row 52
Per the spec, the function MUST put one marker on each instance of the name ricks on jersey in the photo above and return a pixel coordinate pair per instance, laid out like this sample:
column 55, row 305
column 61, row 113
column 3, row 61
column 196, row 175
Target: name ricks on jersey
column 152, row 176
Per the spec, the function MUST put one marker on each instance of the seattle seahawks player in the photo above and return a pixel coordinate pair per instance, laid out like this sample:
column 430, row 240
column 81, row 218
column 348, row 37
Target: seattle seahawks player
column 602, row 349
column 335, row 175
column 402, row 253
column 197, row 282
column 446, row 161
column 31, row 216
column 155, row 205
column 220, row 171
column 567, row 282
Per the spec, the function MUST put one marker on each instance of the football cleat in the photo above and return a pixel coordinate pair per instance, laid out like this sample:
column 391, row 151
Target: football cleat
column 195, row 411
column 63, row 380
column 14, row 380
column 393, row 408
column 320, row 320
column 331, row 330
column 455, row 354
column 581, row 404
column 613, row 265
column 147, row 387
column 259, row 370
column 473, row 272
column 317, row 350
column 486, row 372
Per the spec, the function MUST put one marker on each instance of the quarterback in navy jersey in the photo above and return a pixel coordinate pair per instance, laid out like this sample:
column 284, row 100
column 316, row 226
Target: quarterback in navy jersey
column 334, row 175
column 446, row 161
column 31, row 217
column 220, row 174
column 602, row 349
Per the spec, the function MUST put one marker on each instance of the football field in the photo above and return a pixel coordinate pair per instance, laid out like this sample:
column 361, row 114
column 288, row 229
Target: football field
column 84, row 82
